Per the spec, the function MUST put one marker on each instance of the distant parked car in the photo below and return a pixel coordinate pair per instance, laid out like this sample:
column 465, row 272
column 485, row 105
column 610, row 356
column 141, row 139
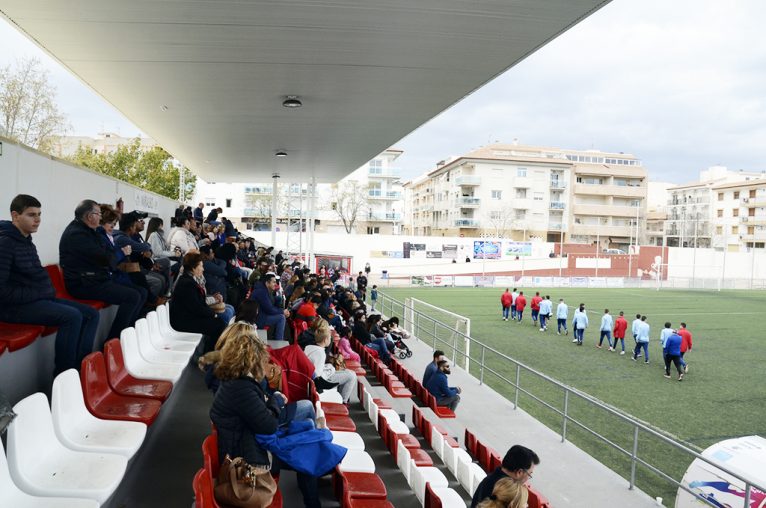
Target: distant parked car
column 614, row 251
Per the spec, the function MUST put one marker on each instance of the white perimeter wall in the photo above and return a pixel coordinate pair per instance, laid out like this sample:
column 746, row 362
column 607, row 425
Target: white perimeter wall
column 710, row 264
column 60, row 186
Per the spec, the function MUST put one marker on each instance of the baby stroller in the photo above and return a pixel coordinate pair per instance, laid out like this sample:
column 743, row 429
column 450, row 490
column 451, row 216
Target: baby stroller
column 400, row 348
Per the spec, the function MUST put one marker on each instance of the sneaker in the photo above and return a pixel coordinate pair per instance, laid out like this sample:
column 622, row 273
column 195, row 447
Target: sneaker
column 667, row 376
column 611, row 348
column 633, row 358
column 558, row 333
column 646, row 362
column 542, row 329
column 598, row 347
column 680, row 377
column 566, row 332
column 574, row 340
column 579, row 343
column 686, row 368
column 623, row 352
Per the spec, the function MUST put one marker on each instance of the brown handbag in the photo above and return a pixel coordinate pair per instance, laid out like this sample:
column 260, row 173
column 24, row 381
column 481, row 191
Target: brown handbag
column 274, row 376
column 244, row 486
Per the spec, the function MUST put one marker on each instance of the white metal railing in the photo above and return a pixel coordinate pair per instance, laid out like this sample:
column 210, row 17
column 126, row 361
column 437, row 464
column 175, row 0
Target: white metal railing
column 422, row 324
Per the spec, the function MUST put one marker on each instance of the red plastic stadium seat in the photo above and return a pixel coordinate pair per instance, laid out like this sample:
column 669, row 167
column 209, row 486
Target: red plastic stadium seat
column 57, row 278
column 203, row 490
column 3, row 347
column 488, row 458
column 352, row 502
column 421, row 458
column 340, row 423
column 334, row 408
column 125, row 384
column 470, row 443
column 18, row 336
column 210, row 455
column 440, row 411
column 495, row 460
column 536, row 499
column 104, row 403
column 358, row 485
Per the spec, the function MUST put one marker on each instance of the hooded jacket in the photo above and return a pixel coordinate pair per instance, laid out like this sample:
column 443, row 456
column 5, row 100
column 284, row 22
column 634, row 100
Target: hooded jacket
column 22, row 278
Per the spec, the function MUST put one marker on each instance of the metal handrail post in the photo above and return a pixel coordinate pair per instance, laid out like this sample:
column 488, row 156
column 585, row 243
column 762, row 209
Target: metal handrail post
column 516, row 397
column 633, row 458
column 481, row 372
column 747, row 495
column 565, row 416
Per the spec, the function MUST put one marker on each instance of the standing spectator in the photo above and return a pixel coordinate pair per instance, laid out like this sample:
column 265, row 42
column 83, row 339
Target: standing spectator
column 367, row 269
column 521, row 302
column 212, row 217
column 26, row 292
column 361, row 285
column 199, row 214
column 269, row 314
column 433, row 366
column 374, row 296
column 518, row 464
column 686, row 344
column 562, row 311
column 514, row 295
column 437, row 385
column 665, row 333
column 672, row 353
column 505, row 303
column 535, row 306
column 546, row 306
column 642, row 339
column 181, row 239
column 580, row 323
column 620, row 325
column 87, row 266
column 607, row 324
column 279, row 258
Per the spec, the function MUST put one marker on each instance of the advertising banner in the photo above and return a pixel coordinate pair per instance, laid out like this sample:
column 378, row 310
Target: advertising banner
column 443, row 280
column 579, row 282
column 513, row 249
column 486, row 250
column 464, row 280
column 433, row 254
column 449, row 251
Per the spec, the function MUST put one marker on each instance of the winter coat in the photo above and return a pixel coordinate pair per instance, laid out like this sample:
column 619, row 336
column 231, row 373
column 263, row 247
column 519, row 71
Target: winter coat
column 22, row 278
column 83, row 257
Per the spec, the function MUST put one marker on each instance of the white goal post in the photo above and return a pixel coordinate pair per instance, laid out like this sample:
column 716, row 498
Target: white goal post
column 434, row 325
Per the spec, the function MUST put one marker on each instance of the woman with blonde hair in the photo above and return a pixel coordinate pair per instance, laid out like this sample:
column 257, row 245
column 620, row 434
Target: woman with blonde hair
column 317, row 353
column 508, row 493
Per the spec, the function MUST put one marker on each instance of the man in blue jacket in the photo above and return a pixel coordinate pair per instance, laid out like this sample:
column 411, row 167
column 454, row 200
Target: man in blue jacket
column 433, row 366
column 672, row 352
column 269, row 314
column 438, row 387
column 26, row 292
column 88, row 266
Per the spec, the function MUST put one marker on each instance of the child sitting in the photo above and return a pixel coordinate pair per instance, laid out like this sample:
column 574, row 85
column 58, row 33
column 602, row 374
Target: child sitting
column 344, row 346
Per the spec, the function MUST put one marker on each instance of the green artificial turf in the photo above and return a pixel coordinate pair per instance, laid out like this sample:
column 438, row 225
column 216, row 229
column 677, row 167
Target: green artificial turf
column 722, row 396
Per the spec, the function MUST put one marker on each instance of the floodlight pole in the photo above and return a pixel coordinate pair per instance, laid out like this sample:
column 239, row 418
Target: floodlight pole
column 274, row 204
column 694, row 255
column 723, row 267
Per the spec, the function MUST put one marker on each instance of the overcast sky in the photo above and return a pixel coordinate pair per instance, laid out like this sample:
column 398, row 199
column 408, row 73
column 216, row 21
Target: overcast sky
column 680, row 84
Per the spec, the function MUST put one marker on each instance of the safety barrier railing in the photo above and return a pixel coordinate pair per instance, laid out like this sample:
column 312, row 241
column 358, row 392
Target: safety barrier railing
column 422, row 325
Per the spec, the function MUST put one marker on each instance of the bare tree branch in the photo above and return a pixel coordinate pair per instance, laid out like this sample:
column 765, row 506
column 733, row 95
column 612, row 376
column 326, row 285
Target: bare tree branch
column 349, row 200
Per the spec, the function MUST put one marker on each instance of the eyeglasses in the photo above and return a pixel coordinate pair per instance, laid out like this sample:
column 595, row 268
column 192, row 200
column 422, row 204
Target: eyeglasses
column 529, row 475
column 95, row 213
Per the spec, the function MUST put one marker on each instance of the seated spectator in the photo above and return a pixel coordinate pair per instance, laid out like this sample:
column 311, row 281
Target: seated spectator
column 212, row 217
column 122, row 265
column 247, row 312
column 87, row 264
column 155, row 235
column 308, row 309
column 373, row 325
column 215, row 272
column 507, row 493
column 26, row 292
column 181, row 239
column 345, row 379
column 392, row 326
column 156, row 268
column 269, row 314
column 241, row 409
column 262, row 267
column 140, row 255
column 438, row 387
column 296, row 298
column 344, row 345
column 366, row 338
column 189, row 310
column 518, row 465
column 433, row 366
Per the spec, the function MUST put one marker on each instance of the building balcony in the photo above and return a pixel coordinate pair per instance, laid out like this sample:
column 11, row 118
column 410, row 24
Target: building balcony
column 468, row 202
column 557, row 205
column 468, row 180
column 622, row 191
column 689, row 201
column 602, row 230
column 384, row 173
column 466, row 223
column 384, row 216
column 558, row 184
column 758, row 236
column 605, row 210
column 556, row 227
column 379, row 194
column 759, row 220
column 755, row 202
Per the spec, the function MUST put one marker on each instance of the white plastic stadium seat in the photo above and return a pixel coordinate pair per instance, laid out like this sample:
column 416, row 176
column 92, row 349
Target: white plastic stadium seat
column 138, row 367
column 331, row 395
column 42, row 466
column 12, row 497
column 163, row 316
column 394, row 422
column 451, row 457
column 357, row 461
column 79, row 430
column 448, row 497
column 163, row 343
column 404, row 461
column 469, row 474
column 150, row 353
column 350, row 440
column 419, row 476
column 437, row 443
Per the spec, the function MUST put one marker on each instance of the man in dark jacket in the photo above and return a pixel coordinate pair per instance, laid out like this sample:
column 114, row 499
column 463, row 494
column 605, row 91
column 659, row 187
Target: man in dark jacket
column 437, row 384
column 519, row 463
column 198, row 213
column 26, row 292
column 87, row 267
column 269, row 314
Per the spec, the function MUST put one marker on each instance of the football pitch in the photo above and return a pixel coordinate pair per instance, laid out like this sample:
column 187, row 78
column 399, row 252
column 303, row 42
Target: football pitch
column 722, row 396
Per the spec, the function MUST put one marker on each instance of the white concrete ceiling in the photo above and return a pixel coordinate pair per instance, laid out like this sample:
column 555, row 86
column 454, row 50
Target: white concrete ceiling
column 369, row 72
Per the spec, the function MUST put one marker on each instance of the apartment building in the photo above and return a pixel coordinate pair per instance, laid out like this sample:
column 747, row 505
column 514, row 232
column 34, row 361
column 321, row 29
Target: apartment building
column 383, row 211
column 103, row 142
column 740, row 215
column 525, row 192
column 691, row 210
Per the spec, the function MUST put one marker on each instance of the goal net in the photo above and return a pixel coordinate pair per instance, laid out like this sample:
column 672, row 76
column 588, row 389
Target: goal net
column 440, row 328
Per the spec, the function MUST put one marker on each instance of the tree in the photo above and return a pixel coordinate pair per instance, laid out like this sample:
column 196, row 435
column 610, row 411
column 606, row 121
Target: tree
column 349, row 200
column 500, row 221
column 28, row 110
column 154, row 169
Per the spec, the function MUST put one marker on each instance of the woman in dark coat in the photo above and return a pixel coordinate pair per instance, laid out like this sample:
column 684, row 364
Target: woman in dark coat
column 189, row 311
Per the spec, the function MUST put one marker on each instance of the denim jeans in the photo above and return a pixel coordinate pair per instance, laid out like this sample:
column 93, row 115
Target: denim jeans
column 513, row 312
column 450, row 402
column 77, row 324
column 543, row 321
column 505, row 312
column 622, row 341
column 304, row 410
column 535, row 313
column 129, row 299
column 579, row 334
column 519, row 313
column 608, row 335
column 276, row 321
column 683, row 362
column 562, row 323
column 380, row 346
column 306, row 484
column 640, row 345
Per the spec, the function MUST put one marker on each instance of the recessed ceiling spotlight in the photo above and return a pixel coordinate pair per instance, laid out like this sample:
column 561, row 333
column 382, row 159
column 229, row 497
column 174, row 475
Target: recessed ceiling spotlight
column 292, row 102
column 281, row 153
column 164, row 108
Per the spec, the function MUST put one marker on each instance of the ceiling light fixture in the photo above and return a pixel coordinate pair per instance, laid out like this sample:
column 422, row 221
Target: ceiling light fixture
column 292, row 102
column 281, row 153
column 163, row 108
